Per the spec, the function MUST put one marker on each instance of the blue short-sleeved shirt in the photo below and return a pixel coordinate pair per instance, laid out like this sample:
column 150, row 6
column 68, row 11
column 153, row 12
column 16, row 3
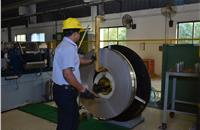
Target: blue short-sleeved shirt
column 66, row 56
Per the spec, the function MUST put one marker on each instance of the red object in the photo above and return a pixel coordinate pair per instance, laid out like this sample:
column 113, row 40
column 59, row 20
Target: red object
column 150, row 65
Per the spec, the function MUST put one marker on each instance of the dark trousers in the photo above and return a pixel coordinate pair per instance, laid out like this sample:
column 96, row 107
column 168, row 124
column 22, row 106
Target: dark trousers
column 68, row 110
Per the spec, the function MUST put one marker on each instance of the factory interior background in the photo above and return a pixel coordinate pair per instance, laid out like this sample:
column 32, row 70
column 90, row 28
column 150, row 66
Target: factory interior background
column 165, row 35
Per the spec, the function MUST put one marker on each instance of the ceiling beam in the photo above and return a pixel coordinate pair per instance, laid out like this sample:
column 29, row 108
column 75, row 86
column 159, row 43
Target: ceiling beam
column 92, row 3
column 20, row 3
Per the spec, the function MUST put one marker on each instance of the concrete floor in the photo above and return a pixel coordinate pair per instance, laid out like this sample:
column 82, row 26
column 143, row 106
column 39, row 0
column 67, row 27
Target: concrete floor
column 17, row 120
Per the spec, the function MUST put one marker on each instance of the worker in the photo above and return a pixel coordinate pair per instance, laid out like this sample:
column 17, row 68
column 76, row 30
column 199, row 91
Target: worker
column 66, row 76
column 16, row 59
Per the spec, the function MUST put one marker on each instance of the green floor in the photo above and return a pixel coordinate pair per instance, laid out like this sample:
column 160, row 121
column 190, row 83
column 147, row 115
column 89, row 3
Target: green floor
column 47, row 112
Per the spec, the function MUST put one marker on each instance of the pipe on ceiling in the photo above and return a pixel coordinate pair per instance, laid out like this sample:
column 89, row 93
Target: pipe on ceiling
column 92, row 3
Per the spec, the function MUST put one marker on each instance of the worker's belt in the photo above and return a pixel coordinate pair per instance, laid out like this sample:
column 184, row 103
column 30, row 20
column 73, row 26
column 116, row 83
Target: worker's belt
column 64, row 86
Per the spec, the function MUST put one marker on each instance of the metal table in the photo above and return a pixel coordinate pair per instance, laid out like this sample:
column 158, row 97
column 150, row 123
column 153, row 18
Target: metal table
column 174, row 76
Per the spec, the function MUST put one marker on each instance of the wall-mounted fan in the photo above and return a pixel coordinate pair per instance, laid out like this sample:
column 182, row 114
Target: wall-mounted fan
column 127, row 21
column 169, row 10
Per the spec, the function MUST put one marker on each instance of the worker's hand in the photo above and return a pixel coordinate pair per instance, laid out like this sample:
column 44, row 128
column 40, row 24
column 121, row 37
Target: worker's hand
column 93, row 58
column 88, row 94
column 84, row 88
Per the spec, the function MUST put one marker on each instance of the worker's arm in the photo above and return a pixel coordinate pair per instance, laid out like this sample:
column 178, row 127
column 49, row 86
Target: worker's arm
column 84, row 61
column 71, row 79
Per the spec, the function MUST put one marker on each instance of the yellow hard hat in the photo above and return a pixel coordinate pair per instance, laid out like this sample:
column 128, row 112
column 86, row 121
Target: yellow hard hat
column 72, row 23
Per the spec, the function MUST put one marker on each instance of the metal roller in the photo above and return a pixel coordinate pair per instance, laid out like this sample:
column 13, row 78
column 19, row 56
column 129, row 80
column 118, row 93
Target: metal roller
column 125, row 84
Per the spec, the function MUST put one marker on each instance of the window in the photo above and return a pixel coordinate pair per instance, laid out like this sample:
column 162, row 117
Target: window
column 113, row 33
column 20, row 38
column 38, row 37
column 189, row 30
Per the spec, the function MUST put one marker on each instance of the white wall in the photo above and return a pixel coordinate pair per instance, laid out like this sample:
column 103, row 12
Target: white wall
column 150, row 25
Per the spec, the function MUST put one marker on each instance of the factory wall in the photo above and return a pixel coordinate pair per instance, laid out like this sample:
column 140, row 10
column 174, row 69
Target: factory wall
column 151, row 24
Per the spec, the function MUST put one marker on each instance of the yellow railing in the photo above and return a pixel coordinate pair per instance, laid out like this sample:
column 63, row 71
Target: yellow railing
column 154, row 41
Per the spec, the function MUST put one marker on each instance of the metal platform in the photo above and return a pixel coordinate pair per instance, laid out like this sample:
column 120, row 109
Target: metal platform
column 129, row 124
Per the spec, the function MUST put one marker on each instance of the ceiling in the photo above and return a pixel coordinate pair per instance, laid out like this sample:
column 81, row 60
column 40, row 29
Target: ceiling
column 52, row 10
column 46, row 10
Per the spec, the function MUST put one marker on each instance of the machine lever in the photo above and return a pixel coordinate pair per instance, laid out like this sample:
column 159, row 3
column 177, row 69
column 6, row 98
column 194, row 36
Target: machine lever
column 88, row 95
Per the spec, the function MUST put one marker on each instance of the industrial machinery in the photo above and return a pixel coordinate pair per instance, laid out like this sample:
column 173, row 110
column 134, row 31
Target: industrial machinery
column 121, row 80
column 125, row 82
column 26, row 57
